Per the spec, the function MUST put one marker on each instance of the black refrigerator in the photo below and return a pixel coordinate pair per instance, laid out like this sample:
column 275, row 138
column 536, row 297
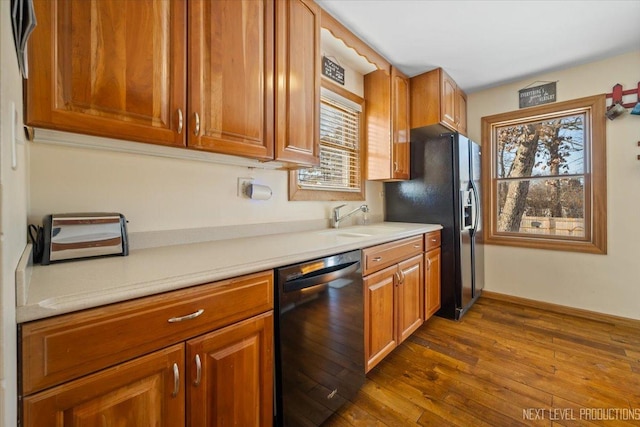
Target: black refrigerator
column 445, row 188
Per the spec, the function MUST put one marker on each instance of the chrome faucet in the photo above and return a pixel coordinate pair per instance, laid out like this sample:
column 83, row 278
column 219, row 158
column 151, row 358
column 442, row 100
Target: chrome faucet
column 336, row 218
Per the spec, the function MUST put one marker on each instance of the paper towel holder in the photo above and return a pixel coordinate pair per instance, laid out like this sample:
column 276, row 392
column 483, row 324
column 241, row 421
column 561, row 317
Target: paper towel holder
column 258, row 192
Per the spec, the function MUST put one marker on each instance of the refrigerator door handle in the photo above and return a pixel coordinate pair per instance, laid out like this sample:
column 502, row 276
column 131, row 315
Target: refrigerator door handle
column 476, row 207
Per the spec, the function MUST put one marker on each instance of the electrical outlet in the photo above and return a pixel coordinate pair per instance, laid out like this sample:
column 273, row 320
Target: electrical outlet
column 242, row 185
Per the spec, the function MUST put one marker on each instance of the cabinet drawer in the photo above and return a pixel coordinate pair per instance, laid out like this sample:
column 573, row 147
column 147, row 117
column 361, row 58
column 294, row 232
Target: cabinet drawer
column 432, row 240
column 69, row 346
column 378, row 257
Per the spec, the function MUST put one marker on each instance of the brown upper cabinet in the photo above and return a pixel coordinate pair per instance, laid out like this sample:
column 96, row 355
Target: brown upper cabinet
column 109, row 68
column 122, row 69
column 399, row 125
column 230, row 85
column 436, row 99
column 298, row 95
column 387, row 122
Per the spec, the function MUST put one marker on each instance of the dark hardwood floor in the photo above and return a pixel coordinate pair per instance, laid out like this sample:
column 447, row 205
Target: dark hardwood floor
column 506, row 364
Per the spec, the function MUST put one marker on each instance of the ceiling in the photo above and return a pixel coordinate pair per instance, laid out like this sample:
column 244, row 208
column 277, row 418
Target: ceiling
column 488, row 43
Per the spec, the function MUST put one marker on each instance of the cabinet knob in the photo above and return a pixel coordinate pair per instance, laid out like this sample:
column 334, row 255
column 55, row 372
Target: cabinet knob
column 180, row 121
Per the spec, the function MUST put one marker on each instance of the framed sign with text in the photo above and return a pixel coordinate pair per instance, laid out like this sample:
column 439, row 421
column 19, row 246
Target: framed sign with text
column 537, row 95
column 332, row 70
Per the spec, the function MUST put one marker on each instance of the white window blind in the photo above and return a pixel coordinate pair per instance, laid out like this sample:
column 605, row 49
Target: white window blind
column 339, row 168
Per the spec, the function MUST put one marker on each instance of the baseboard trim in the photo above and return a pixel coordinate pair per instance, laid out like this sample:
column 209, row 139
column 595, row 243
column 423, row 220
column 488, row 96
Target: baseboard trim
column 561, row 309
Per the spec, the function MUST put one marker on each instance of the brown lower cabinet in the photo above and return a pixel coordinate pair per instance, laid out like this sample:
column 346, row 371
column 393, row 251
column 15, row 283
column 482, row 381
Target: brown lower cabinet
column 231, row 381
column 432, row 262
column 432, row 282
column 401, row 291
column 214, row 368
column 393, row 297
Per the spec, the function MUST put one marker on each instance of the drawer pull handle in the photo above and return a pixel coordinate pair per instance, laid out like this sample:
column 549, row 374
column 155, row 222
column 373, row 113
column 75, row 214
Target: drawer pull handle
column 417, row 246
column 187, row 317
column 377, row 259
column 198, row 371
column 176, row 380
column 434, row 240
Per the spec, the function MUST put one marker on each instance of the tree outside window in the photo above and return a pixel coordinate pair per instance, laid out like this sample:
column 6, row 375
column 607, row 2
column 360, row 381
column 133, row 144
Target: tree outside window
column 545, row 175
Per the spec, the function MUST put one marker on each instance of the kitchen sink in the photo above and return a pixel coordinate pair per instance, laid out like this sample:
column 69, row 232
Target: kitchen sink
column 349, row 234
column 359, row 231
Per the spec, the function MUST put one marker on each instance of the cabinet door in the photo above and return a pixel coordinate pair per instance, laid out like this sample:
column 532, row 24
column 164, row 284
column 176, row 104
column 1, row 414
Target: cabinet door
column 377, row 95
column 380, row 324
column 110, row 68
column 298, row 79
column 410, row 296
column 461, row 111
column 230, row 381
column 400, row 125
column 448, row 101
column 432, row 283
column 231, row 77
column 146, row 392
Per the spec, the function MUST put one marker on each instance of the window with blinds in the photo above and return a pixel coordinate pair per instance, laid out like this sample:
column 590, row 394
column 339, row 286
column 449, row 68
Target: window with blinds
column 339, row 168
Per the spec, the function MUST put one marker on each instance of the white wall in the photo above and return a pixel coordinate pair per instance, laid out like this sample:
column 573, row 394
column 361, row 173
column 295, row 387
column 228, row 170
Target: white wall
column 163, row 194
column 13, row 208
column 603, row 283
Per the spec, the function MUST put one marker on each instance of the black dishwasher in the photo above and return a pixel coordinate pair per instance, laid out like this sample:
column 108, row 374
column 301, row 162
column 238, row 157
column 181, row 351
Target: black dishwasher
column 319, row 338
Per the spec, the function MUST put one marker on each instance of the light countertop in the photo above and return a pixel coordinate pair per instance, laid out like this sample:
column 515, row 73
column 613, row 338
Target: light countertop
column 45, row 291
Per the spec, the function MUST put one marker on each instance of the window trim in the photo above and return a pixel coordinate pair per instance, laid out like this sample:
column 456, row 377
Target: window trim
column 299, row 193
column 595, row 240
